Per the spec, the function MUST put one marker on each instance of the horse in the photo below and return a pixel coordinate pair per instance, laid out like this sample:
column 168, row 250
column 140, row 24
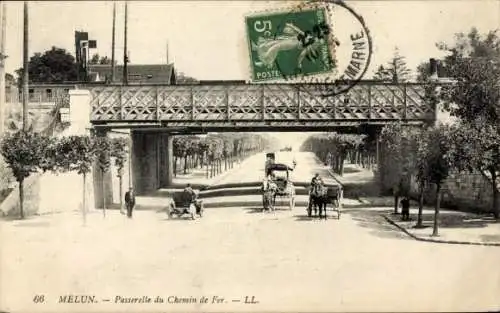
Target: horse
column 318, row 199
column 269, row 190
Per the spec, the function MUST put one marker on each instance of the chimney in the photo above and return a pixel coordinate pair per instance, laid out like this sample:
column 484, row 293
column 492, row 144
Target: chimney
column 433, row 68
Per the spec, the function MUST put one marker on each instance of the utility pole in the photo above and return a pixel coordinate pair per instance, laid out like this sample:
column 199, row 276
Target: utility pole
column 167, row 53
column 3, row 14
column 25, row 69
column 125, row 57
column 113, row 45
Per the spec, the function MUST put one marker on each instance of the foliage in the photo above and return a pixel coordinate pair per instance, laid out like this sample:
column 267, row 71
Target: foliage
column 334, row 147
column 434, row 150
column 79, row 153
column 474, row 62
column 24, row 152
column 97, row 59
column 119, row 151
column 53, row 66
column 395, row 71
column 400, row 153
column 101, row 147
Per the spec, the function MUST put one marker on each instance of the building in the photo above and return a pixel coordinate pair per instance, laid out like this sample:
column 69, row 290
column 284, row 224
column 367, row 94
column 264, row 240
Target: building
column 142, row 74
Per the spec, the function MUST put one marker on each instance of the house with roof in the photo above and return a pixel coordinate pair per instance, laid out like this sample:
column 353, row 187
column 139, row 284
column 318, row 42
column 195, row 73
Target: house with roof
column 141, row 74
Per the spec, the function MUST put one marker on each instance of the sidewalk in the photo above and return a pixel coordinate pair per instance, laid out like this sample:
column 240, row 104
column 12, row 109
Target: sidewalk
column 198, row 177
column 454, row 227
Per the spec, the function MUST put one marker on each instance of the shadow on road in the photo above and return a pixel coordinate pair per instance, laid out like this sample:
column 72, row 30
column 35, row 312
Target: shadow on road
column 253, row 210
column 376, row 224
column 453, row 219
column 305, row 217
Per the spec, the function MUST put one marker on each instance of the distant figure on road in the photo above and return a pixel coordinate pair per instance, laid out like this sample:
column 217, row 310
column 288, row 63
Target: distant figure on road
column 316, row 180
column 130, row 201
column 405, row 204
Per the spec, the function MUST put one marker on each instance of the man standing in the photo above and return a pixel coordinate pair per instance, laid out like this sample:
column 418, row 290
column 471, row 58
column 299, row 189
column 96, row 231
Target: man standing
column 405, row 204
column 130, row 201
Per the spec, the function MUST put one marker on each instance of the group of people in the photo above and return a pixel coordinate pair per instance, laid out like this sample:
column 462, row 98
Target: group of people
column 190, row 193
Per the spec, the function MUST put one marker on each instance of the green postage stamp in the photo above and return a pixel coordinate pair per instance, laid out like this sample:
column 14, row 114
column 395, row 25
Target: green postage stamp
column 284, row 45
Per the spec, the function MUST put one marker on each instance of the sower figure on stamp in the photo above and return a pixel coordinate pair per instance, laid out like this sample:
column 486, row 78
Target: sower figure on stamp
column 130, row 201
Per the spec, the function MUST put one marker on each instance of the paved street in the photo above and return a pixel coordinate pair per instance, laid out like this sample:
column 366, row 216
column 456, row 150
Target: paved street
column 284, row 260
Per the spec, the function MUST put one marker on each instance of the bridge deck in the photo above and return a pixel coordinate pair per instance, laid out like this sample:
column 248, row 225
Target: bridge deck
column 258, row 105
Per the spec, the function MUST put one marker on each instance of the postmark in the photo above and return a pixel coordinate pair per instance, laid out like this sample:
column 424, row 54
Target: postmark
column 325, row 43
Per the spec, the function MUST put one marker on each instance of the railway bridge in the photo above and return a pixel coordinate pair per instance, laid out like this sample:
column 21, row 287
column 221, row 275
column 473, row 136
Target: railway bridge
column 154, row 113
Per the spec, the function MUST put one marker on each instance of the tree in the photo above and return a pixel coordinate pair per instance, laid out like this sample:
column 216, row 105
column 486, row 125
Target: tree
column 436, row 146
column 382, row 74
column 399, row 161
column 79, row 156
column 476, row 148
column 53, row 66
column 24, row 152
column 395, row 71
column 474, row 62
column 97, row 59
column 119, row 151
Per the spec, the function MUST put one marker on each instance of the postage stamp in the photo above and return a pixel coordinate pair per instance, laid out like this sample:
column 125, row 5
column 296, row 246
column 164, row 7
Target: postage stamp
column 325, row 43
column 287, row 43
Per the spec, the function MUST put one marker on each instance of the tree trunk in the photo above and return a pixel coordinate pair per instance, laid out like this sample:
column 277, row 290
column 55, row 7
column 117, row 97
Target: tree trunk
column 420, row 205
column 496, row 195
column 436, row 210
column 120, row 179
column 185, row 164
column 103, row 194
column 84, row 202
column 396, row 202
column 21, row 198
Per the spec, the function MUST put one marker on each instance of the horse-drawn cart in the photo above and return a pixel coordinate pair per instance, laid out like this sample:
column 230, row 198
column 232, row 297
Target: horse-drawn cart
column 320, row 197
column 278, row 185
column 185, row 204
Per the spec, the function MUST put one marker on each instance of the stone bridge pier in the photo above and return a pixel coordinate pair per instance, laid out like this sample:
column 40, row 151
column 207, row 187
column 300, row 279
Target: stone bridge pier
column 152, row 160
column 149, row 165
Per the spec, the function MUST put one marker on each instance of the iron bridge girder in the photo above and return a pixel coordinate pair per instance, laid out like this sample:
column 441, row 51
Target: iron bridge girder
column 258, row 105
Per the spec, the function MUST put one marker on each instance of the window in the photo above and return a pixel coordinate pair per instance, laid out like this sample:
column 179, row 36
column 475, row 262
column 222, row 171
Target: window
column 31, row 94
column 48, row 94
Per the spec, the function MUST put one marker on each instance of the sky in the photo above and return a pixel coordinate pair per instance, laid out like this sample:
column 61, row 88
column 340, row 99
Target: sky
column 206, row 39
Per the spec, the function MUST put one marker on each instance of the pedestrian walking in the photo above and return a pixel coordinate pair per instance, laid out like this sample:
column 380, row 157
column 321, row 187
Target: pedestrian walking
column 130, row 202
column 405, row 205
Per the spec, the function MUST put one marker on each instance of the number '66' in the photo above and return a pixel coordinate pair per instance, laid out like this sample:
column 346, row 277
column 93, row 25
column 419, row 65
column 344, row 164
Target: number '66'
column 261, row 26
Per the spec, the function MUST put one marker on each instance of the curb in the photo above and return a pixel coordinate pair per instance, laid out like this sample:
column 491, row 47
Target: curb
column 454, row 242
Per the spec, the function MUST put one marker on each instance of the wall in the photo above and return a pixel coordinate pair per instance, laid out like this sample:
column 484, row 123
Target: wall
column 461, row 191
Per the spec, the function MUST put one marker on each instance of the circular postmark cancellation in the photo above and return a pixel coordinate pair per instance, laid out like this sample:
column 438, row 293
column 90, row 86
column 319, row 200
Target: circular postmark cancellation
column 324, row 43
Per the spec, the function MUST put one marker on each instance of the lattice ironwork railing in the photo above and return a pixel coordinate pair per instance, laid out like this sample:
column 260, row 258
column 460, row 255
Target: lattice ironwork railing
column 219, row 103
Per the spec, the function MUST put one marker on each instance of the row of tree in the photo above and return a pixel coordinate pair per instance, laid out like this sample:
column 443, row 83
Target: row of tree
column 215, row 151
column 27, row 153
column 334, row 149
column 472, row 144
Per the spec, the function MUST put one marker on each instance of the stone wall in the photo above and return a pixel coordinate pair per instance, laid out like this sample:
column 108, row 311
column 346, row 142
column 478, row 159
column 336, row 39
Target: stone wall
column 462, row 191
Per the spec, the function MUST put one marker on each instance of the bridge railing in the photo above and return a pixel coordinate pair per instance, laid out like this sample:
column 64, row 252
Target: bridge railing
column 258, row 102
